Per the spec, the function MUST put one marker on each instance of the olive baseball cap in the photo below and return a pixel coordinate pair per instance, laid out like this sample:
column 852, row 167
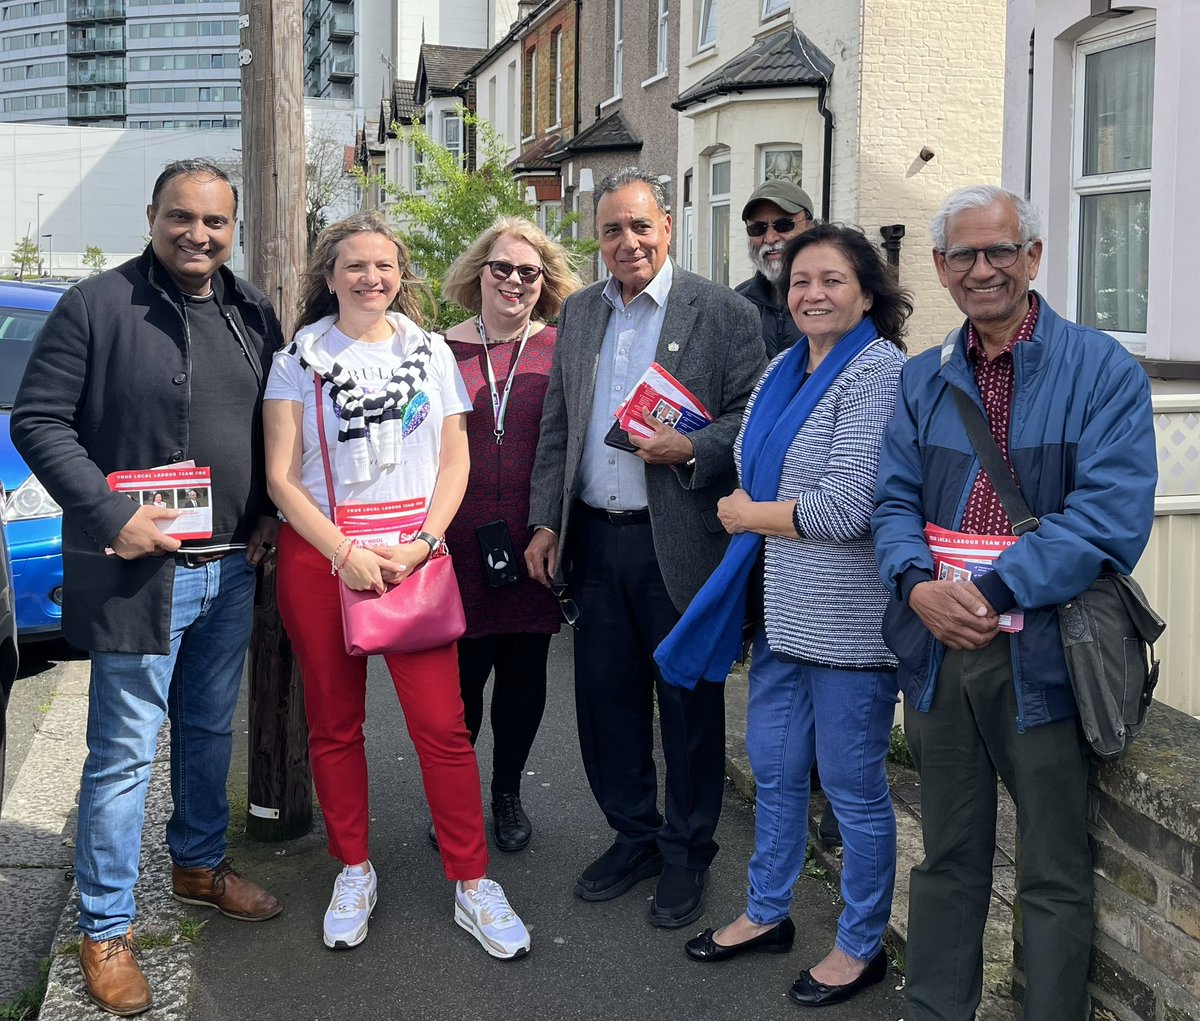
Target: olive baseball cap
column 791, row 198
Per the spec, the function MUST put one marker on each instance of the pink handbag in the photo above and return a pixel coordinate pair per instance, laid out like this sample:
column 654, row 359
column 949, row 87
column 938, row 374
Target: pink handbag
column 424, row 611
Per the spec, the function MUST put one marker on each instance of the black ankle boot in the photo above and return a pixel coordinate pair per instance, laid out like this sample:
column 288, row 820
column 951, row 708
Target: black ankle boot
column 510, row 823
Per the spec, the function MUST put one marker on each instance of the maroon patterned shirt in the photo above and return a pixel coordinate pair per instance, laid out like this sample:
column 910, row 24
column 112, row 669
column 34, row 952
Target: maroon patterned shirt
column 984, row 514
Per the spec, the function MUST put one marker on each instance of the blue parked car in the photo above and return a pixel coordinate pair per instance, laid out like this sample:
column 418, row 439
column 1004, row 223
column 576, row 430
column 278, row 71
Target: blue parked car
column 33, row 521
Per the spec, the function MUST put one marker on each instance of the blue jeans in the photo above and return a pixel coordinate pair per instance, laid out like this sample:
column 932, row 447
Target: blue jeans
column 197, row 683
column 844, row 717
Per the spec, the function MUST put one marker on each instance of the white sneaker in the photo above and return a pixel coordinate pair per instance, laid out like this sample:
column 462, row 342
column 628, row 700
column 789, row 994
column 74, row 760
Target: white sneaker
column 486, row 914
column 350, row 907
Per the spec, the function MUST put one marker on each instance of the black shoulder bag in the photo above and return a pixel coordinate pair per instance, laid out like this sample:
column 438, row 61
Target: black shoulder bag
column 1108, row 632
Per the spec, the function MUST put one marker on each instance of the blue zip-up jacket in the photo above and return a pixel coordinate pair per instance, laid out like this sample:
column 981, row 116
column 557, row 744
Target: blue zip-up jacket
column 1081, row 441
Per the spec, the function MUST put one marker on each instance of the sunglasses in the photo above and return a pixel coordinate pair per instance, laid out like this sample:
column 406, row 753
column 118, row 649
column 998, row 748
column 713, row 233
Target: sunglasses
column 570, row 609
column 784, row 225
column 998, row 256
column 502, row 270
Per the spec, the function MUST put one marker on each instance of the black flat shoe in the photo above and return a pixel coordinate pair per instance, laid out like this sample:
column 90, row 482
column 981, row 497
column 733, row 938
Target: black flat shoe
column 808, row 992
column 510, row 823
column 776, row 940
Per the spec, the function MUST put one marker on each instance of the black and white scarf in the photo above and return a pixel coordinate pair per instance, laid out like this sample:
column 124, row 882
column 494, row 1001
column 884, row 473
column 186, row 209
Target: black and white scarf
column 370, row 426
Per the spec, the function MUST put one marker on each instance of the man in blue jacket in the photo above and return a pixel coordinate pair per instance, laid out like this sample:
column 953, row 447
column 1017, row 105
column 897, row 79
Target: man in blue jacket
column 160, row 361
column 1070, row 410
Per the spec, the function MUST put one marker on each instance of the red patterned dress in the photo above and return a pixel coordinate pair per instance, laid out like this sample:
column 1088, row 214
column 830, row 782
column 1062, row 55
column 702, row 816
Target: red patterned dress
column 499, row 486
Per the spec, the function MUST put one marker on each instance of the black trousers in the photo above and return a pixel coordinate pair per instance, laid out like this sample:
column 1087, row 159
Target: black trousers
column 518, row 698
column 624, row 613
column 967, row 739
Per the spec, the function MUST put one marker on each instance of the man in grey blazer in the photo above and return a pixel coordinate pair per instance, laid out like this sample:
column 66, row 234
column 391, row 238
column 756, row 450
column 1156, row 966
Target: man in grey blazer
column 638, row 535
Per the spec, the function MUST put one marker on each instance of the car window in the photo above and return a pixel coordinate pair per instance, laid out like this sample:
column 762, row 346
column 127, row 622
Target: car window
column 18, row 328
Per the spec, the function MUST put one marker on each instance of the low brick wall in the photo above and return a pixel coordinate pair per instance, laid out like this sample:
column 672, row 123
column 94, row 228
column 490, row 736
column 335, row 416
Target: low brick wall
column 1144, row 821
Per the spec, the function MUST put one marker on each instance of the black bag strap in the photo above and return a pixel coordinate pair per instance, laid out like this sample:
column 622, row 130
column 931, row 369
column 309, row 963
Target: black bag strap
column 994, row 465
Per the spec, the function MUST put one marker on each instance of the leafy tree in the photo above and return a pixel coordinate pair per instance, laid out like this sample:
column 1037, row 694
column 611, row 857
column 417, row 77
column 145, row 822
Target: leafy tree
column 26, row 255
column 94, row 258
column 453, row 206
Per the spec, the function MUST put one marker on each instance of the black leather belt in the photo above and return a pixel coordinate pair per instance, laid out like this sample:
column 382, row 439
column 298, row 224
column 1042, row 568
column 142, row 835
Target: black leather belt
column 188, row 559
column 627, row 517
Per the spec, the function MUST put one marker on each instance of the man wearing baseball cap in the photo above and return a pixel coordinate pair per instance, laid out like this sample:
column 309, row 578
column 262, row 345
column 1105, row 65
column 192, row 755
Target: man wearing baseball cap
column 776, row 212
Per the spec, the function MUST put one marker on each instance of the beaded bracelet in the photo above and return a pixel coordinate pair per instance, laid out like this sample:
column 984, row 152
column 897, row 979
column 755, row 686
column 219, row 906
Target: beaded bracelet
column 333, row 560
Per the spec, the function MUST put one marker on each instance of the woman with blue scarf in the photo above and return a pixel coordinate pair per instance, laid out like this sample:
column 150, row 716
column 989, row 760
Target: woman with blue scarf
column 801, row 566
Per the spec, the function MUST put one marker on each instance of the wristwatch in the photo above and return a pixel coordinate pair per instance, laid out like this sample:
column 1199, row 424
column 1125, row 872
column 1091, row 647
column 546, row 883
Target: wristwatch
column 433, row 540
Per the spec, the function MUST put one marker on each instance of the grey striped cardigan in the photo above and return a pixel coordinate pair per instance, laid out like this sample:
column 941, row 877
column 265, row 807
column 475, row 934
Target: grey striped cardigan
column 824, row 600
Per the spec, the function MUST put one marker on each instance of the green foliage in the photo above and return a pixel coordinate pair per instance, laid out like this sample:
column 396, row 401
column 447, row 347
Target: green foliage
column 25, row 256
column 94, row 258
column 28, row 1001
column 898, row 750
column 452, row 206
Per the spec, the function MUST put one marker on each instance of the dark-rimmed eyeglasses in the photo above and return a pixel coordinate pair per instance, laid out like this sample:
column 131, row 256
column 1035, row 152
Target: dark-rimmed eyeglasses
column 998, row 256
column 784, row 225
column 570, row 609
column 502, row 270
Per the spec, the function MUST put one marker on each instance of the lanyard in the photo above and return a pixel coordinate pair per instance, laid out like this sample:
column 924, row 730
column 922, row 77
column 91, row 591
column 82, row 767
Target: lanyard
column 500, row 402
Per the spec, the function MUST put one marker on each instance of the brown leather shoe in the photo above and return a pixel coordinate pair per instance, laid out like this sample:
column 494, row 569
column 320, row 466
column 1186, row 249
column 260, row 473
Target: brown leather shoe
column 113, row 978
column 222, row 888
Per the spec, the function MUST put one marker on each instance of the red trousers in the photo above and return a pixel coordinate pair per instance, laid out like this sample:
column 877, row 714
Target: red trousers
column 335, row 692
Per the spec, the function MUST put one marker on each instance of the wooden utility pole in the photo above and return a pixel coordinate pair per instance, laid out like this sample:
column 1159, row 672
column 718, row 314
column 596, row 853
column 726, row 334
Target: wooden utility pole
column 280, row 783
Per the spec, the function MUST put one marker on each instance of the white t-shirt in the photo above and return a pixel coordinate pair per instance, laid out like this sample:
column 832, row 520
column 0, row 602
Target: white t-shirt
column 371, row 366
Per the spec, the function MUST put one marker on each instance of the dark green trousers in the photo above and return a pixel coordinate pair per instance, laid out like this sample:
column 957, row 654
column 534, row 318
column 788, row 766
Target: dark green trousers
column 967, row 739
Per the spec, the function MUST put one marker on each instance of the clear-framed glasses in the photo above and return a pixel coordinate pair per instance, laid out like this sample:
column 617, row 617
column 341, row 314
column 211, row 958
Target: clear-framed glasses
column 570, row 609
column 998, row 256
column 784, row 225
column 502, row 270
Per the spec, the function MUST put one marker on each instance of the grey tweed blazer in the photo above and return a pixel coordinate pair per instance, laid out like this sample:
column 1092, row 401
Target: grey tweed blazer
column 718, row 356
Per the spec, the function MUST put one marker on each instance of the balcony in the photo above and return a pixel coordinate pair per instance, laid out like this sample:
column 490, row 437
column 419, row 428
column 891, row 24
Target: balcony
column 341, row 27
column 113, row 106
column 341, row 69
column 97, row 76
column 112, row 43
column 96, row 10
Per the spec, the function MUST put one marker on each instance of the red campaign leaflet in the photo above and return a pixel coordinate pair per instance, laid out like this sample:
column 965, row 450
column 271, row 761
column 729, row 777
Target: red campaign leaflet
column 661, row 395
column 381, row 524
column 180, row 487
column 960, row 556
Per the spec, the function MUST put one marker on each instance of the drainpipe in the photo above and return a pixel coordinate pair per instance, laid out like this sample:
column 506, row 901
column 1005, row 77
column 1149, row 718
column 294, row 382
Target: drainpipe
column 578, row 21
column 827, row 160
column 892, row 233
column 1029, row 121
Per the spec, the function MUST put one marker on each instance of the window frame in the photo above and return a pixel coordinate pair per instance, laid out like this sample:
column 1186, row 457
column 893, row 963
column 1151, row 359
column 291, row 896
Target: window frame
column 706, row 19
column 529, row 93
column 719, row 200
column 556, row 81
column 454, row 117
column 1090, row 185
column 662, row 49
column 618, row 48
column 773, row 9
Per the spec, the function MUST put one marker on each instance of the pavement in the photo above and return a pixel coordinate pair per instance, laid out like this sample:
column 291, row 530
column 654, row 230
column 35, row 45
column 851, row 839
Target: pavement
column 589, row 961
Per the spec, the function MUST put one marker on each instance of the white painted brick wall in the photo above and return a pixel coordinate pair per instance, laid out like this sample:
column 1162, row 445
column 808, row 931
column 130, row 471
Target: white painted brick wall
column 932, row 75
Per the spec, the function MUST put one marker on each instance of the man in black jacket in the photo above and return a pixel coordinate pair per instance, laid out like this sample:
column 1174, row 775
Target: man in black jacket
column 776, row 212
column 161, row 361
